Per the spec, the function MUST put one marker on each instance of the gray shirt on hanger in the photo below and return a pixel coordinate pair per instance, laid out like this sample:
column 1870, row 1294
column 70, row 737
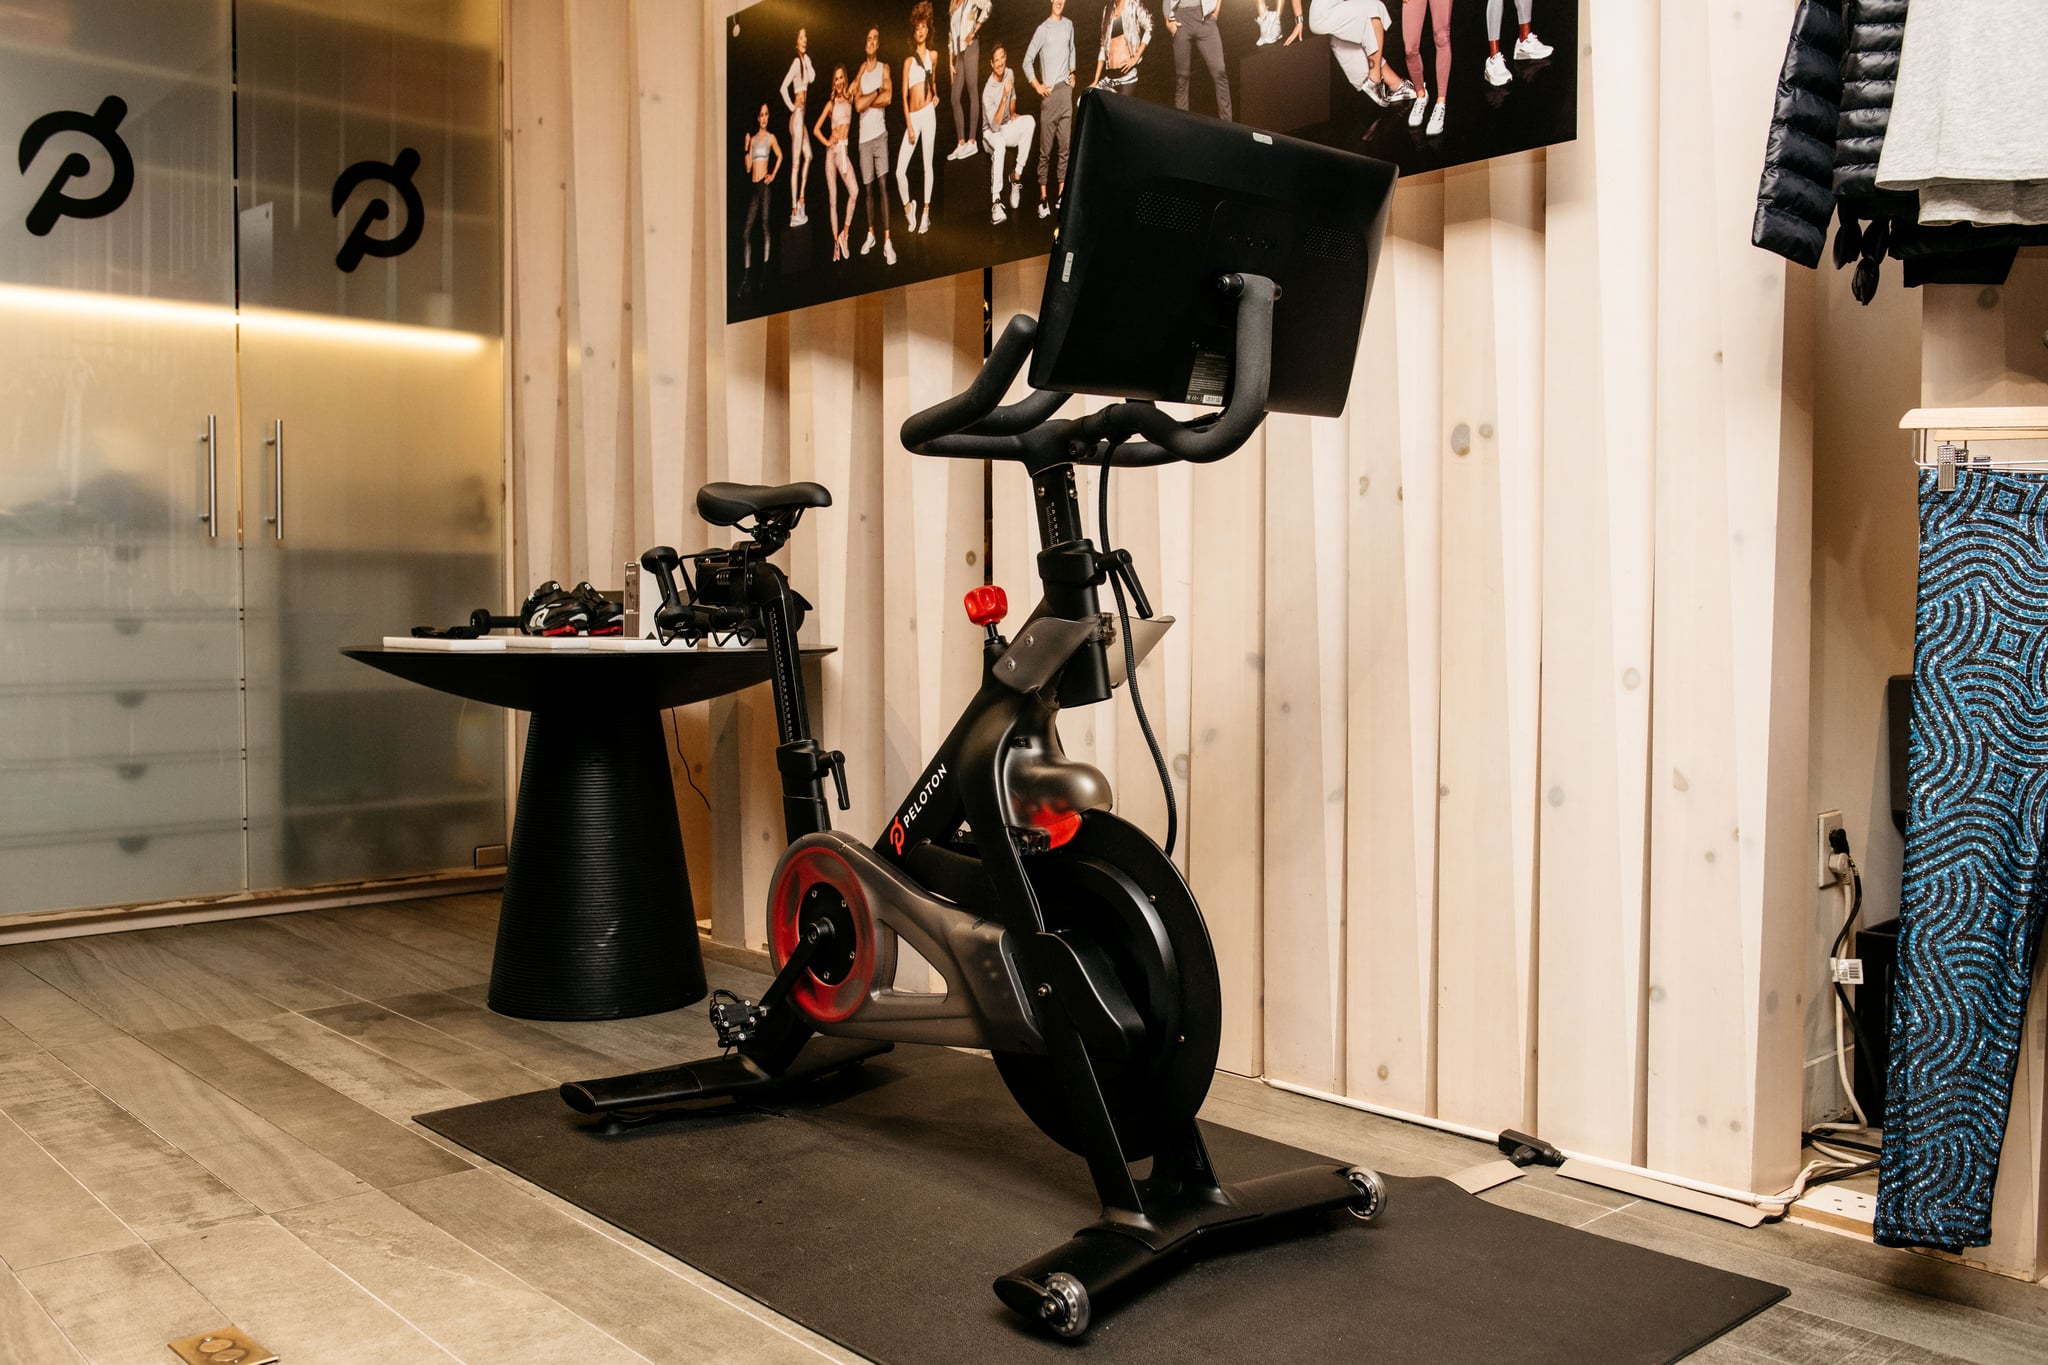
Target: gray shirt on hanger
column 1969, row 123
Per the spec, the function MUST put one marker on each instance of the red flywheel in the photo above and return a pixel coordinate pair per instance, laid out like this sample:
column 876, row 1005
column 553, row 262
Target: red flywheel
column 817, row 882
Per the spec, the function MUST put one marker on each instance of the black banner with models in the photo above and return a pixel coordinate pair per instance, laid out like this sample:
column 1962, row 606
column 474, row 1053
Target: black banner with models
column 874, row 143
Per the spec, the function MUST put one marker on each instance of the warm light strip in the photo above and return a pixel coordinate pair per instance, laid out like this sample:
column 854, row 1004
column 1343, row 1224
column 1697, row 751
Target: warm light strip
column 23, row 298
column 264, row 321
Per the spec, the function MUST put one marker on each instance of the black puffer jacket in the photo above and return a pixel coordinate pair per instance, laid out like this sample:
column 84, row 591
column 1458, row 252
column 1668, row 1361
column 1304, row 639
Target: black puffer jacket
column 1796, row 199
column 1870, row 73
column 1833, row 108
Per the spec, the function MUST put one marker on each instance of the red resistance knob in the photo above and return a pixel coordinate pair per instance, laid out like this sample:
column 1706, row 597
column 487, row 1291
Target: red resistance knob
column 987, row 605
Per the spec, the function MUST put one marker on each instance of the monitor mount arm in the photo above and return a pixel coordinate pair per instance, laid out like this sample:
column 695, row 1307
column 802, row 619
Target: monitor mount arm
column 975, row 425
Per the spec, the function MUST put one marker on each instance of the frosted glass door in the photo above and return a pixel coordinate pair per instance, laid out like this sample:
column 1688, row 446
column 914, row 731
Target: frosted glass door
column 121, row 772
column 372, row 426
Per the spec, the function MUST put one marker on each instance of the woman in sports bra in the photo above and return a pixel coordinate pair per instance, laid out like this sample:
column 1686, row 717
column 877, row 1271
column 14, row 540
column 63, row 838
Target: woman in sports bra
column 794, row 87
column 1126, row 30
column 756, row 150
column 833, row 128
column 921, row 114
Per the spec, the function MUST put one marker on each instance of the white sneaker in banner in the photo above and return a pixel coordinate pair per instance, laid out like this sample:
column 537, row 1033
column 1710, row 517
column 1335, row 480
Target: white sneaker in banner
column 1421, row 109
column 1497, row 70
column 995, row 212
column 1436, row 121
column 1044, row 209
column 888, row 252
column 1016, row 192
column 869, row 244
column 1532, row 49
column 1269, row 28
column 1375, row 92
column 924, row 224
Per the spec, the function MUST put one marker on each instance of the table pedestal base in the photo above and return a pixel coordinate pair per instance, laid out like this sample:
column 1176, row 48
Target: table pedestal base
column 597, row 921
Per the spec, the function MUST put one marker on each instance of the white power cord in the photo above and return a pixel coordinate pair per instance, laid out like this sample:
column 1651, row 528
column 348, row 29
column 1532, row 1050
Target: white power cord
column 1833, row 1160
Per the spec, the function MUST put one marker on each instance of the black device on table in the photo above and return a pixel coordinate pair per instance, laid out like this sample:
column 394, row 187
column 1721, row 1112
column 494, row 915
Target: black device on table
column 1199, row 261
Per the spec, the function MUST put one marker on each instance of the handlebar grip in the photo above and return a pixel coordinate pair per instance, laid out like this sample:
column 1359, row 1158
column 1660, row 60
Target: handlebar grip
column 979, row 399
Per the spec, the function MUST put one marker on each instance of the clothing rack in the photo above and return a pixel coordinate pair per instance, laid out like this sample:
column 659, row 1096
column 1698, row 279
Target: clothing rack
column 1942, row 436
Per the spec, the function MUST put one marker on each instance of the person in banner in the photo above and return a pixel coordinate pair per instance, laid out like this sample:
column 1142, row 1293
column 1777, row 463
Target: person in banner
column 1049, row 65
column 1192, row 25
column 873, row 92
column 1004, row 128
column 920, row 115
column 833, row 129
column 1528, row 47
column 964, row 20
column 794, row 86
column 755, row 150
column 1126, row 30
column 1357, row 30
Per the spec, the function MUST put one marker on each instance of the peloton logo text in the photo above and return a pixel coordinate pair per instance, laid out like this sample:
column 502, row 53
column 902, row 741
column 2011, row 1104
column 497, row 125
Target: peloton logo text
column 898, row 830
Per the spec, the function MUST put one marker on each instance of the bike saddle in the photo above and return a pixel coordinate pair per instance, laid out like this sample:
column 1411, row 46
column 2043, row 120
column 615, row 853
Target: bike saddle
column 727, row 504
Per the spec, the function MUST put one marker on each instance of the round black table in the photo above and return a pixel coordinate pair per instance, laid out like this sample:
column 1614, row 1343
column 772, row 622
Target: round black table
column 597, row 921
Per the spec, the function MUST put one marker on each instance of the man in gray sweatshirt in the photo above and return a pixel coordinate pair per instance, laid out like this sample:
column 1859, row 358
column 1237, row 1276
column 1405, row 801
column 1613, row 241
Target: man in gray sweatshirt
column 1049, row 65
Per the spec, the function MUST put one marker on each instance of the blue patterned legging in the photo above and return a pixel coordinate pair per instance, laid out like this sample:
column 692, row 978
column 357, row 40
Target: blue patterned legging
column 1972, row 895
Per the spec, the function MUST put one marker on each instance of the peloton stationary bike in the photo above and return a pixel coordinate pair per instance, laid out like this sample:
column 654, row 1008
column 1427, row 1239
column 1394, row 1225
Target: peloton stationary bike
column 1069, row 946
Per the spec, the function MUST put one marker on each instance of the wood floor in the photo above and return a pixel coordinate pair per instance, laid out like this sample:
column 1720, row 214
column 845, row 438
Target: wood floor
column 210, row 1124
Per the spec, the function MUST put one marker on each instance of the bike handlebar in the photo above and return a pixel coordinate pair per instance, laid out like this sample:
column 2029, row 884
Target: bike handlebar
column 972, row 425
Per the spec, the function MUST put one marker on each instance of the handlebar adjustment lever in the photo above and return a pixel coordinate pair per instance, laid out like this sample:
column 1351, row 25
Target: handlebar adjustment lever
column 1121, row 564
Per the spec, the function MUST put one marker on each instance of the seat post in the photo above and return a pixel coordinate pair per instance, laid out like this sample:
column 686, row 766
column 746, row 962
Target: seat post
column 800, row 761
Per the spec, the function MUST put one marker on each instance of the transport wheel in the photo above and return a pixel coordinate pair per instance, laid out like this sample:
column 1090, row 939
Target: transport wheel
column 1372, row 1193
column 1111, row 886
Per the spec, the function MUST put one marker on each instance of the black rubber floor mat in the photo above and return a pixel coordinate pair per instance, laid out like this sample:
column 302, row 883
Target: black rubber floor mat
column 878, row 1210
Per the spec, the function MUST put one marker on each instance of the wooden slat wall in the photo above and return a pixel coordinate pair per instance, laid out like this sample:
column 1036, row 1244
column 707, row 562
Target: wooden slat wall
column 1486, row 713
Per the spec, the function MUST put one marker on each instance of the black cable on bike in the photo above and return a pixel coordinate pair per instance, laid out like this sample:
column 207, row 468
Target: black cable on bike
column 1123, row 614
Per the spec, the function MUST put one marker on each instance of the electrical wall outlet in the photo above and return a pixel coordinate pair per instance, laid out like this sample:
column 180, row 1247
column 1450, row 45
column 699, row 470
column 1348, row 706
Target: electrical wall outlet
column 1828, row 822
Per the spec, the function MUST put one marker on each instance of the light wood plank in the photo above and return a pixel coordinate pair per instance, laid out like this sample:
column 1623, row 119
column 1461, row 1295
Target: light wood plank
column 537, row 206
column 533, row 1048
column 599, row 66
column 652, row 1310
column 1396, row 424
column 27, row 1336
column 13, row 1040
column 120, row 1307
column 259, row 1161
column 202, row 991
column 241, row 952
column 50, row 1216
column 417, row 929
column 357, row 1139
column 286, row 1296
column 66, row 965
column 1598, row 568
column 332, row 932
column 1225, row 842
column 466, row 1302
column 1304, row 722
column 475, row 1071
column 336, row 964
column 651, row 1039
column 147, row 1183
column 371, row 1079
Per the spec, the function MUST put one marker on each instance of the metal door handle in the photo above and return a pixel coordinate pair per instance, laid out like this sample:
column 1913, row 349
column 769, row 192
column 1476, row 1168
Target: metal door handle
column 211, row 516
column 276, row 442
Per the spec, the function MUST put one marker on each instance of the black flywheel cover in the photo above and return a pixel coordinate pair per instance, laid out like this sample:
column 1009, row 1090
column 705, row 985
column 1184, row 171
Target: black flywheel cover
column 1111, row 886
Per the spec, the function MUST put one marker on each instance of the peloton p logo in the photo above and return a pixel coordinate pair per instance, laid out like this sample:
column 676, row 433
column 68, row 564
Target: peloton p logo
column 398, row 175
column 899, row 830
column 102, row 126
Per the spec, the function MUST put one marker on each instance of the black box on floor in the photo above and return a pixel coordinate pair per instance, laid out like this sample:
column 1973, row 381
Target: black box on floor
column 1878, row 946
